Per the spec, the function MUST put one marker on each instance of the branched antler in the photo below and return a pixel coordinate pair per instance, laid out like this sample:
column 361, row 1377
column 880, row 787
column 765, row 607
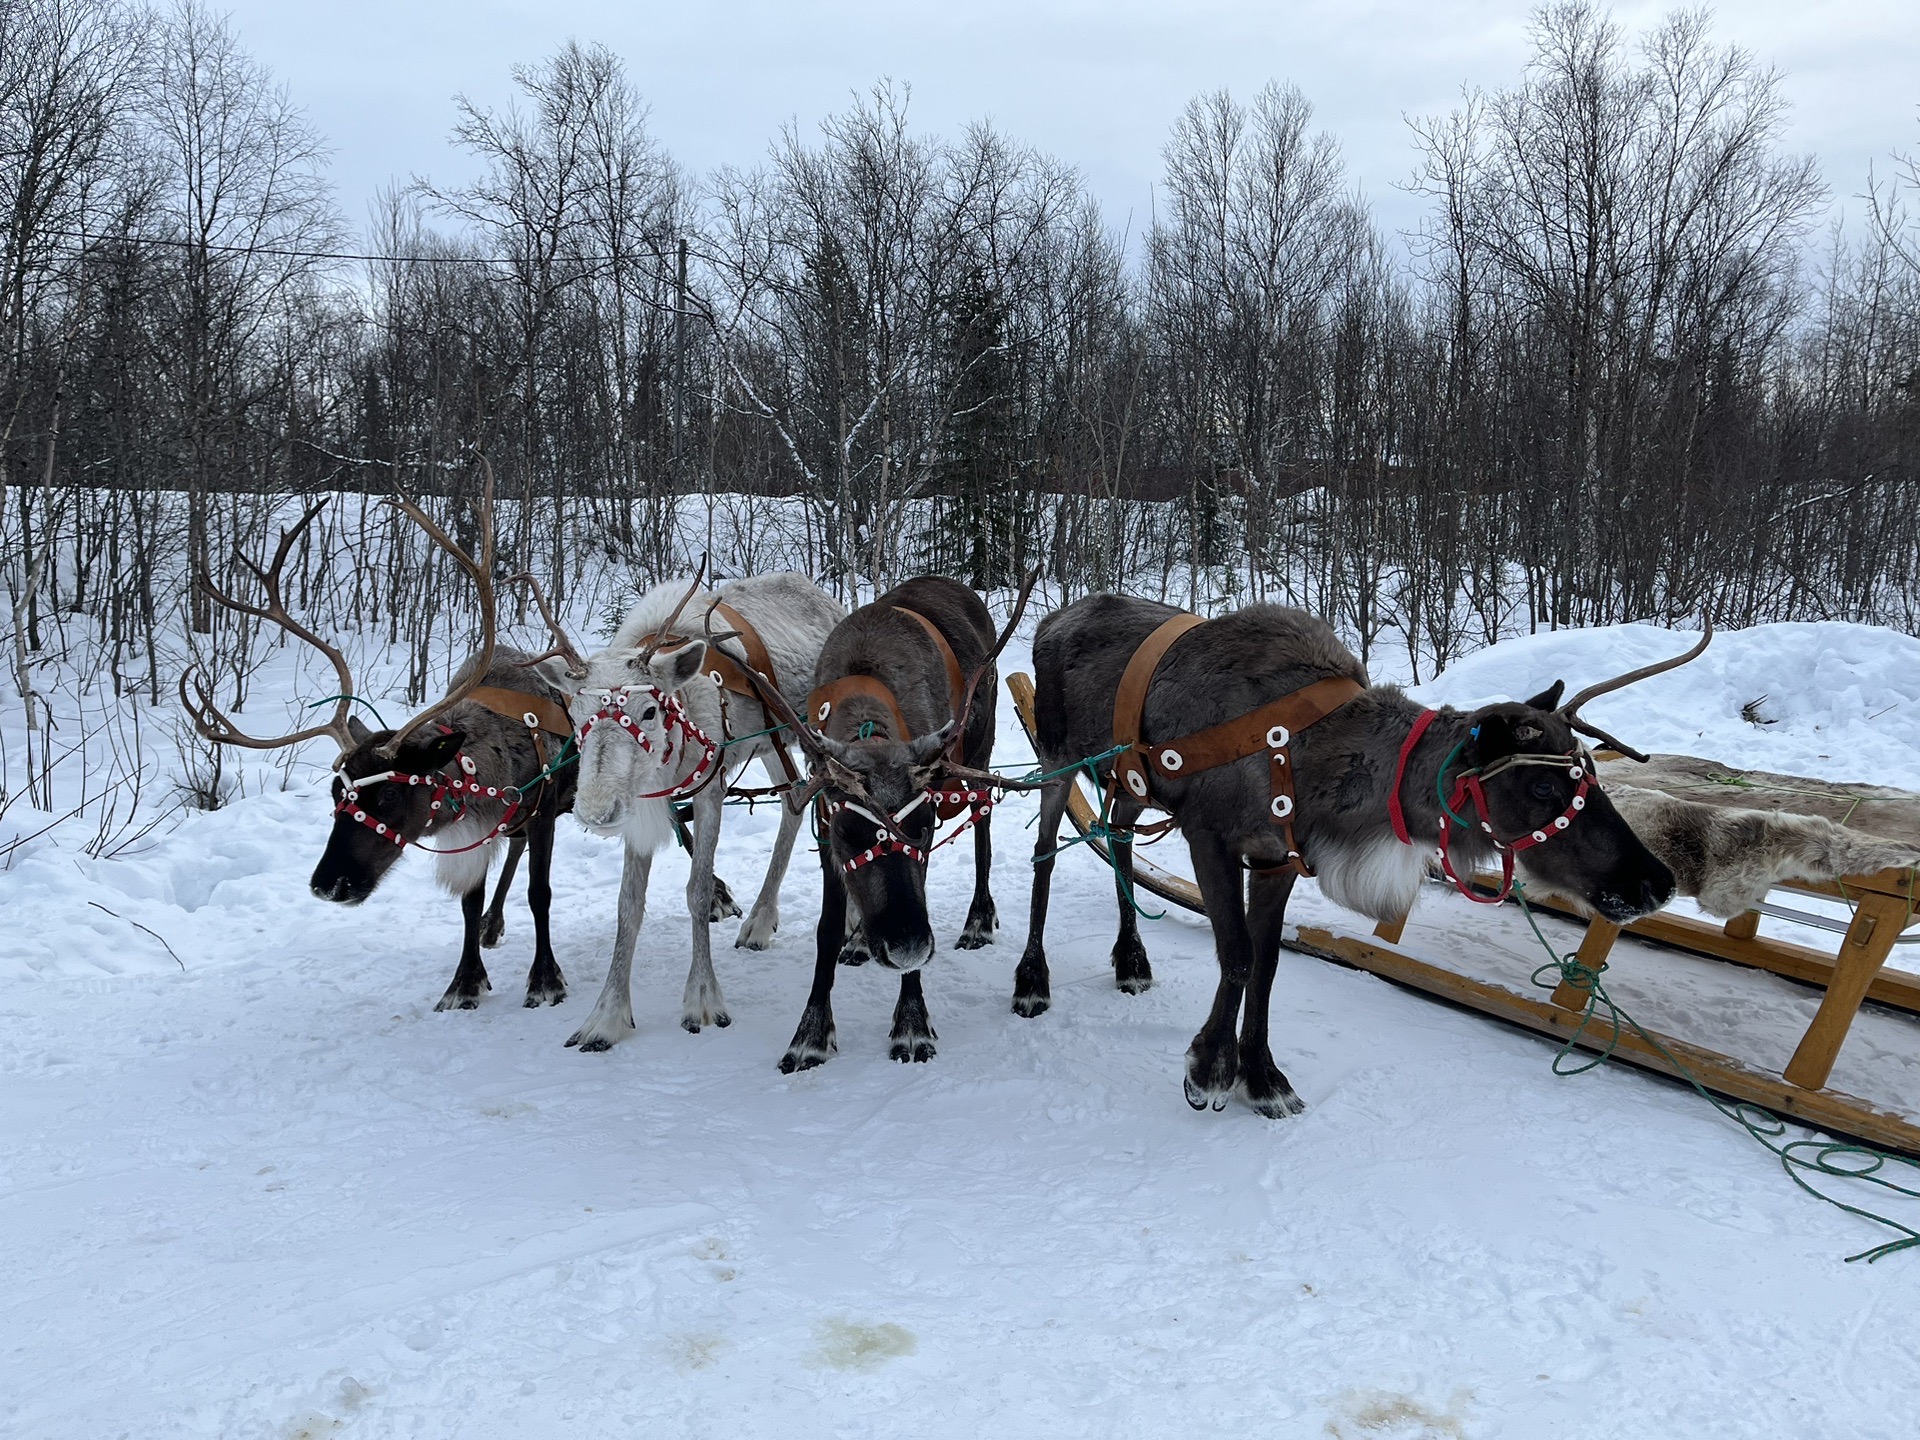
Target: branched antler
column 208, row 719
column 562, row 646
column 665, row 630
column 481, row 570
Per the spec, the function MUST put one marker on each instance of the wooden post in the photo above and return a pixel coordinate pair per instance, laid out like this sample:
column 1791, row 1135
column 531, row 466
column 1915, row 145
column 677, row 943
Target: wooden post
column 1877, row 923
column 1391, row 930
column 1743, row 926
column 1595, row 946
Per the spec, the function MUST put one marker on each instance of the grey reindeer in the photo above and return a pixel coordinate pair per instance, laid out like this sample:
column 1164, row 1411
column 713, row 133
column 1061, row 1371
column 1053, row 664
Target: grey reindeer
column 900, row 728
column 654, row 728
column 482, row 764
column 1362, row 777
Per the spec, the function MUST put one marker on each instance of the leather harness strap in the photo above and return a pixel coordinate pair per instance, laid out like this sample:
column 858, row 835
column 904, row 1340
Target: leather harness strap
column 829, row 697
column 1271, row 728
column 537, row 712
column 543, row 716
column 956, row 682
column 726, row 673
column 1130, row 703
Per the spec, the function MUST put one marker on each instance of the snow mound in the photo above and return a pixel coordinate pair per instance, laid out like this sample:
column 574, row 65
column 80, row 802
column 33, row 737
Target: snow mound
column 1844, row 700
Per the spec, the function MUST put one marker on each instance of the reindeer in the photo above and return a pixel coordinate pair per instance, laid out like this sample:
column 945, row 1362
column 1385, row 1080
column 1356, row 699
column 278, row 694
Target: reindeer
column 899, row 740
column 485, row 762
column 1261, row 736
column 665, row 719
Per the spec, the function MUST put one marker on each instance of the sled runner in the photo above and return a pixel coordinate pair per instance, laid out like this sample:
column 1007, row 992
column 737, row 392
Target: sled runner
column 1885, row 902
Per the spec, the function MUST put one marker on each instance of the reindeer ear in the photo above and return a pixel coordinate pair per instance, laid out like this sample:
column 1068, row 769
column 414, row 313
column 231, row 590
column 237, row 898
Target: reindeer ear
column 1548, row 698
column 360, row 733
column 431, row 753
column 920, row 751
column 674, row 670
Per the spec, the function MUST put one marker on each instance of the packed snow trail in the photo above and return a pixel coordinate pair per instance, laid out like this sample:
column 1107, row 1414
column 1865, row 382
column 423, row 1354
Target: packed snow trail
column 275, row 1194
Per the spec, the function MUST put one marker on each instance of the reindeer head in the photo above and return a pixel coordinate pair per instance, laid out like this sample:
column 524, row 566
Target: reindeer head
column 637, row 741
column 1530, row 784
column 880, row 818
column 1540, row 798
column 377, row 811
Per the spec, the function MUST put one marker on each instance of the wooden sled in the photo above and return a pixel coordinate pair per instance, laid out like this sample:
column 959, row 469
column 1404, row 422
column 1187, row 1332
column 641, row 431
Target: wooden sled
column 1885, row 909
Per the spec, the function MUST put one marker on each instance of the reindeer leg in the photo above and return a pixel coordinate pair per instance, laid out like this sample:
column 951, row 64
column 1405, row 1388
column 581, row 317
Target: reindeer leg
column 1212, row 1058
column 912, row 1038
column 702, row 1002
column 495, row 924
column 814, row 1039
column 764, row 919
column 471, row 976
column 982, row 918
column 1032, row 985
column 1262, row 1085
column 1131, row 972
column 612, row 1017
column 545, row 984
column 853, row 950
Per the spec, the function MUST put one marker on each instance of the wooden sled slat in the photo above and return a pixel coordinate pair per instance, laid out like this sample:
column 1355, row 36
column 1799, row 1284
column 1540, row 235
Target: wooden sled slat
column 1728, row 942
column 1830, row 1110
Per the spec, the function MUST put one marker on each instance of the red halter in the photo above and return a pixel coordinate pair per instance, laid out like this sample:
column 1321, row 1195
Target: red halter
column 613, row 706
column 978, row 803
column 443, row 786
column 1467, row 787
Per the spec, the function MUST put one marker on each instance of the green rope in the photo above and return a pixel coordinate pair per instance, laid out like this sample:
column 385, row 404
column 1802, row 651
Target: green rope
column 1098, row 830
column 742, row 739
column 569, row 753
column 315, row 705
column 1440, row 787
column 1799, row 1158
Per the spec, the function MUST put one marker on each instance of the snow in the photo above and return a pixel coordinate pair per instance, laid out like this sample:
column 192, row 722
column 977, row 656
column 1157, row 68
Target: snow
column 265, row 1190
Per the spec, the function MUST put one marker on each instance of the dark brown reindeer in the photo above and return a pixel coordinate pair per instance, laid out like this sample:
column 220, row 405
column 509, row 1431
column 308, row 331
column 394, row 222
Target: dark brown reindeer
column 485, row 762
column 900, row 729
column 1260, row 735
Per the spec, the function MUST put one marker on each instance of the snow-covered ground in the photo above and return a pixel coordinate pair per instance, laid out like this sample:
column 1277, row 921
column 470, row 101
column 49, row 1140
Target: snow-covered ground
column 263, row 1189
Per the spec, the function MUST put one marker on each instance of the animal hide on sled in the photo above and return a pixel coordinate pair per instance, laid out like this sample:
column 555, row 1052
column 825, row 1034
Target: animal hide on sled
column 1730, row 835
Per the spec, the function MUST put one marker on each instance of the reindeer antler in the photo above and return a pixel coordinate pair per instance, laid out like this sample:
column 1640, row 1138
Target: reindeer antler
column 1570, row 711
column 973, row 683
column 207, row 717
column 562, row 646
column 482, row 572
column 661, row 632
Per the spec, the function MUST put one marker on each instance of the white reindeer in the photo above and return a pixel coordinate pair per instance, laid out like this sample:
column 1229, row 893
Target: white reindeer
column 653, row 726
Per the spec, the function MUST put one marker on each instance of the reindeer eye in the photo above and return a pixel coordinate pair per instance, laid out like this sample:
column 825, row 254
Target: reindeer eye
column 1527, row 733
column 649, row 712
column 1542, row 788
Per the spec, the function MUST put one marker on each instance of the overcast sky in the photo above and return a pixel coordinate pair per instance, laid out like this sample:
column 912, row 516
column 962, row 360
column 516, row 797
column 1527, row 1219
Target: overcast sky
column 1097, row 84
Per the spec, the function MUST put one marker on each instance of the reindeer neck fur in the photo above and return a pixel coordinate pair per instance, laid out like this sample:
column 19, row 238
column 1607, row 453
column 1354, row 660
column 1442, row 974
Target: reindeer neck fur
column 503, row 756
column 1346, row 772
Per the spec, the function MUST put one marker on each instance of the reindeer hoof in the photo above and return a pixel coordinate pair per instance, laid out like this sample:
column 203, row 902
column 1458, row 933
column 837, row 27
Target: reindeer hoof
column 691, row 1024
column 599, row 1034
column 814, row 1042
column 1028, row 1006
column 491, row 929
column 758, row 932
column 459, row 1001
column 1196, row 1097
column 979, row 930
column 912, row 1049
column 724, row 906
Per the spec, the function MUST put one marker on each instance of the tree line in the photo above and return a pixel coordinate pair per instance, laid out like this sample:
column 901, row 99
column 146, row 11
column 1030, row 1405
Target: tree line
column 1628, row 365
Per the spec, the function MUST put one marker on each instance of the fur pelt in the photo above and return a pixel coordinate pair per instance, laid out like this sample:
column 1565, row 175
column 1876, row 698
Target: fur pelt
column 1729, row 858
